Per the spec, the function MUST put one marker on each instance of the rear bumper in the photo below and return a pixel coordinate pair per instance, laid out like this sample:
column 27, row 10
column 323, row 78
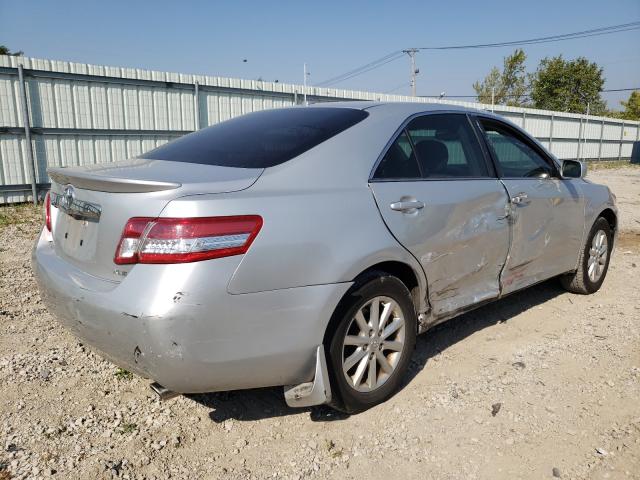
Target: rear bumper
column 178, row 325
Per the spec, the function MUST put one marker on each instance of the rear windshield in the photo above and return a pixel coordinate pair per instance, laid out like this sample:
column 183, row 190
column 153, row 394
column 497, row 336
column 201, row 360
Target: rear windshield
column 261, row 139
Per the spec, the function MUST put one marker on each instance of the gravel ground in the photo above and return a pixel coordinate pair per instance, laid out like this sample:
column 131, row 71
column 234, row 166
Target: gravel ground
column 541, row 384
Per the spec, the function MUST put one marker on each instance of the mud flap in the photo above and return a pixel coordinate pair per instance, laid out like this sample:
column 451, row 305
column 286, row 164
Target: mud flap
column 312, row 393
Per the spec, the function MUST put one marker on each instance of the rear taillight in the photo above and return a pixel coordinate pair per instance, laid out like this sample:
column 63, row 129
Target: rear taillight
column 47, row 211
column 181, row 240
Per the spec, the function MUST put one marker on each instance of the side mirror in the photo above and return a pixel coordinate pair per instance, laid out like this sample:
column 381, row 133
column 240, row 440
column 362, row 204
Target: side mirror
column 573, row 169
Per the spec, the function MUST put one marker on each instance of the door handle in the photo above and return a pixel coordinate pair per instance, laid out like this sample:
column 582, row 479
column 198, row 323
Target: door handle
column 407, row 205
column 520, row 199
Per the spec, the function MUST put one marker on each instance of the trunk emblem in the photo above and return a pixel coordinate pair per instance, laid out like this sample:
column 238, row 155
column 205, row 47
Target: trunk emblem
column 68, row 196
column 78, row 209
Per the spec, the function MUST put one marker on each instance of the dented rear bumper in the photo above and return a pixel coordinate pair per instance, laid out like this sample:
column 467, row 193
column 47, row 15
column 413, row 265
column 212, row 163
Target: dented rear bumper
column 178, row 325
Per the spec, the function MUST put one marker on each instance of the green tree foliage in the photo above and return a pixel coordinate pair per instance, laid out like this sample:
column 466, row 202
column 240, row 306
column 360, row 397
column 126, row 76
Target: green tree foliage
column 4, row 50
column 631, row 107
column 509, row 87
column 568, row 86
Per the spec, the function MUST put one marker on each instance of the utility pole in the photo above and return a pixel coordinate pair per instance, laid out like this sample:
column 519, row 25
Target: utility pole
column 27, row 133
column 493, row 98
column 414, row 71
column 306, row 74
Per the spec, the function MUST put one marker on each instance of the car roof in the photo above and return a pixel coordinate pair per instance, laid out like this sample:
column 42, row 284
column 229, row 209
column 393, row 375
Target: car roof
column 407, row 108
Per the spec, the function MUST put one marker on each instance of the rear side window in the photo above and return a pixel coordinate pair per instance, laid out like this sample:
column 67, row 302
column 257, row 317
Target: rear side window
column 399, row 161
column 446, row 146
column 434, row 146
column 261, row 139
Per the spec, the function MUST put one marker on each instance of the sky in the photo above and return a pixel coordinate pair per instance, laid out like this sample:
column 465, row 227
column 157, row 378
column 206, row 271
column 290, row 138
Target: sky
column 277, row 38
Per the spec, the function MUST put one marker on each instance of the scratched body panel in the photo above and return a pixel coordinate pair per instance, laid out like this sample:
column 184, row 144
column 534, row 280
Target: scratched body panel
column 460, row 237
column 546, row 230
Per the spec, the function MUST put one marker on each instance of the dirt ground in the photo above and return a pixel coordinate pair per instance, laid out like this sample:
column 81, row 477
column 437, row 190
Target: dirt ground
column 540, row 384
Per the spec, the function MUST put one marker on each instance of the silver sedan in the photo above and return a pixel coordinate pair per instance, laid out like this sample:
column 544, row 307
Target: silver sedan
column 307, row 247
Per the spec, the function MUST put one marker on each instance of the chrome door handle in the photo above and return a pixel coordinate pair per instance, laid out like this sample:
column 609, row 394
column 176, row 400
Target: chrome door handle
column 520, row 199
column 407, row 205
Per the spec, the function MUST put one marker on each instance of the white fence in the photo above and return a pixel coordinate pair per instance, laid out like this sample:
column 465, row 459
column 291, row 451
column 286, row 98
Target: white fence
column 84, row 114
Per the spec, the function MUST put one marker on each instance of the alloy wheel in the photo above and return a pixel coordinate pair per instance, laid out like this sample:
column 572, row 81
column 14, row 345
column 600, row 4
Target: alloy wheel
column 597, row 256
column 373, row 344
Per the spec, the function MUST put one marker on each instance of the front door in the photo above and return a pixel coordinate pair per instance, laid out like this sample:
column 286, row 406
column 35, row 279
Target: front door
column 546, row 212
column 440, row 199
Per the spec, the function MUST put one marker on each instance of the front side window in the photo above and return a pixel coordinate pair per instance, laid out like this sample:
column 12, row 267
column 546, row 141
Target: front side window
column 516, row 157
column 432, row 147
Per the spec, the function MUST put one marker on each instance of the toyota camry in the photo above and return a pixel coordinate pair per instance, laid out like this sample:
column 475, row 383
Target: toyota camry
column 306, row 247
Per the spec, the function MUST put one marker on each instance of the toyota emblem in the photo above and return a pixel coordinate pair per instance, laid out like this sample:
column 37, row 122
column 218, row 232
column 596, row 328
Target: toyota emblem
column 68, row 196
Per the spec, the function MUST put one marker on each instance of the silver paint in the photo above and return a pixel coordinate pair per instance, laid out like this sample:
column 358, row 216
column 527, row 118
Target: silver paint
column 257, row 319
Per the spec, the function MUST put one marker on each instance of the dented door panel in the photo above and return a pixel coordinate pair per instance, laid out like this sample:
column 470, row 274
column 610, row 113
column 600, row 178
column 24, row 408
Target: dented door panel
column 546, row 230
column 460, row 236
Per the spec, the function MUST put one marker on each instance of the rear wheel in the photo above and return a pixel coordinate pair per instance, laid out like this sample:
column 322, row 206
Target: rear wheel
column 371, row 346
column 594, row 260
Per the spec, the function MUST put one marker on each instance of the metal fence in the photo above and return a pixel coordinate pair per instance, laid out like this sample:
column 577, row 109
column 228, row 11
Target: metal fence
column 81, row 114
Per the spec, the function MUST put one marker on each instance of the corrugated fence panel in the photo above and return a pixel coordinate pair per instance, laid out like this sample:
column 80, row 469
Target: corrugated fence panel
column 86, row 114
column 538, row 126
column 611, row 131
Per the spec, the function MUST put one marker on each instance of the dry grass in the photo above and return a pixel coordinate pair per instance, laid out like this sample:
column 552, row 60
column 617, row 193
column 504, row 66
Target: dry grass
column 19, row 213
column 611, row 164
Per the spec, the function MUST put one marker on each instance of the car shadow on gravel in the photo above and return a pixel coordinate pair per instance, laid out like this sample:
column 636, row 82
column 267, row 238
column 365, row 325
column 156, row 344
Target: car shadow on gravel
column 441, row 337
column 257, row 404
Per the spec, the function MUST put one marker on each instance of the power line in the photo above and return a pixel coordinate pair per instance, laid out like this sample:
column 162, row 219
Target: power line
column 553, row 38
column 393, row 56
column 526, row 95
column 397, row 87
column 390, row 57
column 620, row 89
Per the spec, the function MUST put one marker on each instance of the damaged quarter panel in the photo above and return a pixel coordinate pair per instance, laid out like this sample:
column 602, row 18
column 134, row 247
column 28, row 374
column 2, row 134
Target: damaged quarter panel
column 178, row 325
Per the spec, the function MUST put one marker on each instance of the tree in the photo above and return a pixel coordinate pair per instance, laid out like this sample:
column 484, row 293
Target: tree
column 568, row 86
column 4, row 50
column 509, row 86
column 631, row 107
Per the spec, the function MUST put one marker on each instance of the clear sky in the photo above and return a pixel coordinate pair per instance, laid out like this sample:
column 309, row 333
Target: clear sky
column 277, row 37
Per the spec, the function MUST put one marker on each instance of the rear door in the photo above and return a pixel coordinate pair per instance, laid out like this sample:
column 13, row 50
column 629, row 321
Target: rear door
column 546, row 211
column 442, row 201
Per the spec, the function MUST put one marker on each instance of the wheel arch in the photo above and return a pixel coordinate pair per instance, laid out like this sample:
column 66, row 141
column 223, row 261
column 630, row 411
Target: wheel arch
column 415, row 283
column 610, row 216
column 404, row 272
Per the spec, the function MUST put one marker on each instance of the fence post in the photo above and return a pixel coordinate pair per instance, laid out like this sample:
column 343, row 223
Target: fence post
column 196, row 98
column 580, row 139
column 601, row 137
column 27, row 133
column 551, row 134
column 621, row 138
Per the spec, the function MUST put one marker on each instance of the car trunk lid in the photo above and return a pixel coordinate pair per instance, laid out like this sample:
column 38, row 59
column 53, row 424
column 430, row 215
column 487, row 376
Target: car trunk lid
column 93, row 204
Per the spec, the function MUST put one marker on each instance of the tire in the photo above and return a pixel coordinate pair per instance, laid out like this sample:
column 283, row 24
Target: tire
column 388, row 349
column 593, row 259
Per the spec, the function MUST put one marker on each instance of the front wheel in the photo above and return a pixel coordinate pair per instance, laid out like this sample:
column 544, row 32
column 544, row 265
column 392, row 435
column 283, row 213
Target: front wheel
column 594, row 260
column 371, row 346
